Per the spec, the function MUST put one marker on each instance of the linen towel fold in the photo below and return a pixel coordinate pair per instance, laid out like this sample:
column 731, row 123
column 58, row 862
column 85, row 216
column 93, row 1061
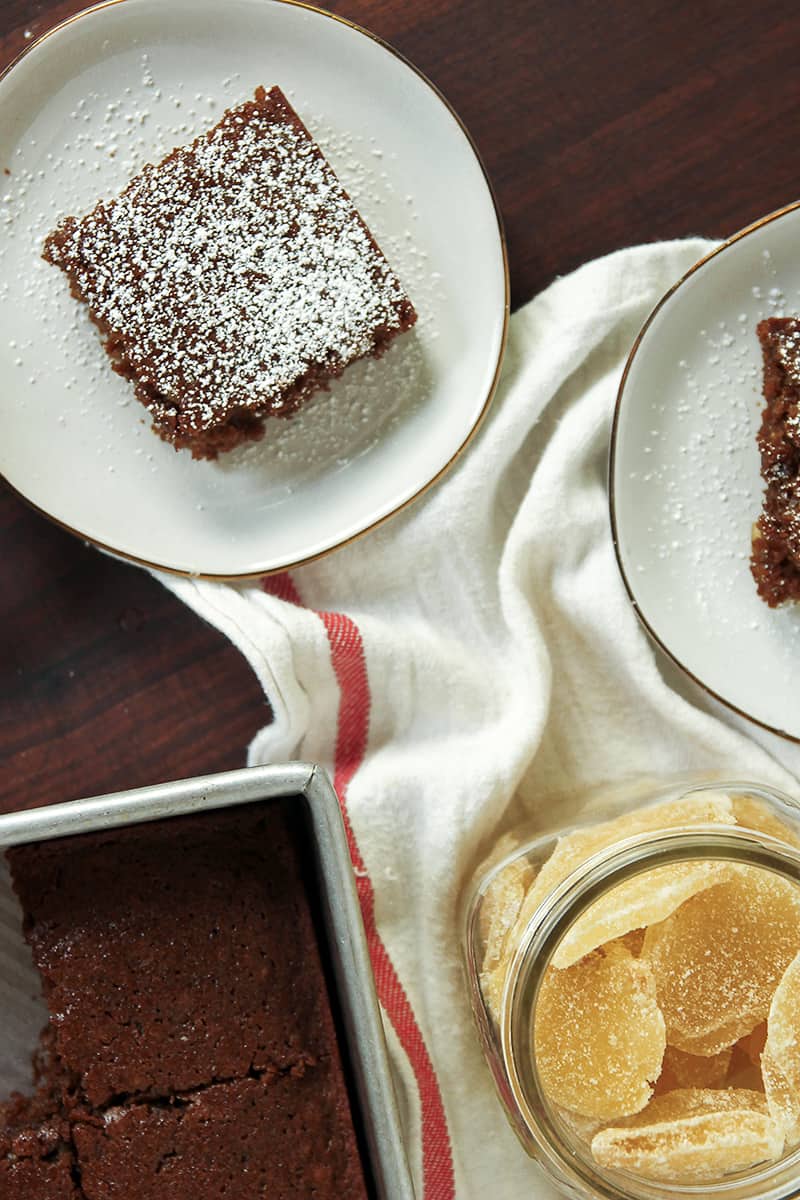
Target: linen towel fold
column 473, row 663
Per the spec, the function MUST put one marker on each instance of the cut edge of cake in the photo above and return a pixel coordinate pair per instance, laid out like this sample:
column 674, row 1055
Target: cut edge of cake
column 775, row 535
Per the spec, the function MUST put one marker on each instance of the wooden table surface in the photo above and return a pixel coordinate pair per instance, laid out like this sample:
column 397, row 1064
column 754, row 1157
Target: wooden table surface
column 601, row 125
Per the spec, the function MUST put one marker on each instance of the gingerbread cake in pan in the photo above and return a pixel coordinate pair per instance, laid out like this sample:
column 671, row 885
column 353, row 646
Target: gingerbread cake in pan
column 234, row 279
column 775, row 560
column 192, row 1048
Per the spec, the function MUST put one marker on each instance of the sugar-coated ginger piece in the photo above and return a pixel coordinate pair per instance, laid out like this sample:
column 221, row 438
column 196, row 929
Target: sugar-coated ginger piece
column 571, row 852
column 598, row 1034
column 502, row 899
column 718, row 959
column 500, row 908
column 780, row 1059
column 643, row 900
column 752, row 813
column 691, row 1135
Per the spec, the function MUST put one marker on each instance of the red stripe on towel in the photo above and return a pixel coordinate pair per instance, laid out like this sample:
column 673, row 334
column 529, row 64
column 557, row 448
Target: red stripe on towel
column 349, row 665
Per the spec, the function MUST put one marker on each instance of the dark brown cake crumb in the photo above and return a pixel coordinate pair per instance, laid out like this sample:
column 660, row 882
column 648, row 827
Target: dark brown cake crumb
column 775, row 560
column 277, row 1137
column 234, row 279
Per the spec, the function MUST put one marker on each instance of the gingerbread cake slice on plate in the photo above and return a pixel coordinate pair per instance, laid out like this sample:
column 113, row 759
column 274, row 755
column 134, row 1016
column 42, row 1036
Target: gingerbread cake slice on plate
column 234, row 279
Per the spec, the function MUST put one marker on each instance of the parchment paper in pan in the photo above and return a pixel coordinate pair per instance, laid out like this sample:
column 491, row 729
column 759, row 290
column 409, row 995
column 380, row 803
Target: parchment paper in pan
column 22, row 1010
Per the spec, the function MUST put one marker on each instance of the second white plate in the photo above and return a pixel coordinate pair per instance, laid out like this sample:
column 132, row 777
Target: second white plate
column 122, row 84
column 685, row 479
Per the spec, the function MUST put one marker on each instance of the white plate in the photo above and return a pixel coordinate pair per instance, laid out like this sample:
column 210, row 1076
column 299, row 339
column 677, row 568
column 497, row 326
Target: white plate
column 122, row 84
column 685, row 479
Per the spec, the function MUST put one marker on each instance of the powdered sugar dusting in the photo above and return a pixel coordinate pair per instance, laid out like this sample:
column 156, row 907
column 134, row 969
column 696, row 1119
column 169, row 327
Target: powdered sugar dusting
column 691, row 487
column 694, row 453
column 352, row 454
column 787, row 348
column 232, row 269
column 116, row 133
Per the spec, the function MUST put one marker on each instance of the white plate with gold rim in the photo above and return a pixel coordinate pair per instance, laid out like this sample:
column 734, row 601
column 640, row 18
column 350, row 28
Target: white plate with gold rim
column 120, row 85
column 685, row 486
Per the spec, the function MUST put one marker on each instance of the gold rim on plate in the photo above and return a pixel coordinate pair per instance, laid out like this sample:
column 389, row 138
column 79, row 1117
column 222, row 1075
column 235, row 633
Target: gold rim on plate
column 346, row 541
column 736, row 237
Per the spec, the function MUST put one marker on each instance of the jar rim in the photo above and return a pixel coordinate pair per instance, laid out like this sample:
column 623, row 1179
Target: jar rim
column 548, row 925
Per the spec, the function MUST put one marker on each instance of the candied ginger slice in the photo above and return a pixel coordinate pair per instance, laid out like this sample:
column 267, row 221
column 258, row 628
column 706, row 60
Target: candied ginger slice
column 643, row 900
column 718, row 958
column 493, row 985
column 692, row 1134
column 752, row 813
column 572, row 850
column 598, row 1034
column 782, row 1099
column 500, row 908
column 780, row 1059
column 499, row 911
column 681, row 1070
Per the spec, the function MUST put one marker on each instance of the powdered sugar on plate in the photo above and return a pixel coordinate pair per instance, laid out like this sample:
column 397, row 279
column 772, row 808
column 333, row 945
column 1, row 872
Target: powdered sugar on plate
column 687, row 485
column 231, row 270
column 129, row 84
column 355, row 289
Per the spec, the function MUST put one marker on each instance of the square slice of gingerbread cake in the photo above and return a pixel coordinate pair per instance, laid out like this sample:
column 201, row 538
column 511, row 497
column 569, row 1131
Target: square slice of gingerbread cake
column 775, row 560
column 234, row 279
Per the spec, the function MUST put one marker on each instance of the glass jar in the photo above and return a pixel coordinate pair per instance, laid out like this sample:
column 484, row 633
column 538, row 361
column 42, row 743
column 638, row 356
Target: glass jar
column 616, row 889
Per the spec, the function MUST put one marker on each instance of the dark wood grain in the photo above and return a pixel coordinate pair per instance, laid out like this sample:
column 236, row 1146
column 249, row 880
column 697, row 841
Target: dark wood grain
column 600, row 126
column 108, row 682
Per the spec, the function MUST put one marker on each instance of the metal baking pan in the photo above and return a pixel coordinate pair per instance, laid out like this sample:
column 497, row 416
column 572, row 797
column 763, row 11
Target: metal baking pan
column 310, row 787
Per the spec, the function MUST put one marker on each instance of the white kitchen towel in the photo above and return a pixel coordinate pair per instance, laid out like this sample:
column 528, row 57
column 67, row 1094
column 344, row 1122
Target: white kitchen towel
column 473, row 662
